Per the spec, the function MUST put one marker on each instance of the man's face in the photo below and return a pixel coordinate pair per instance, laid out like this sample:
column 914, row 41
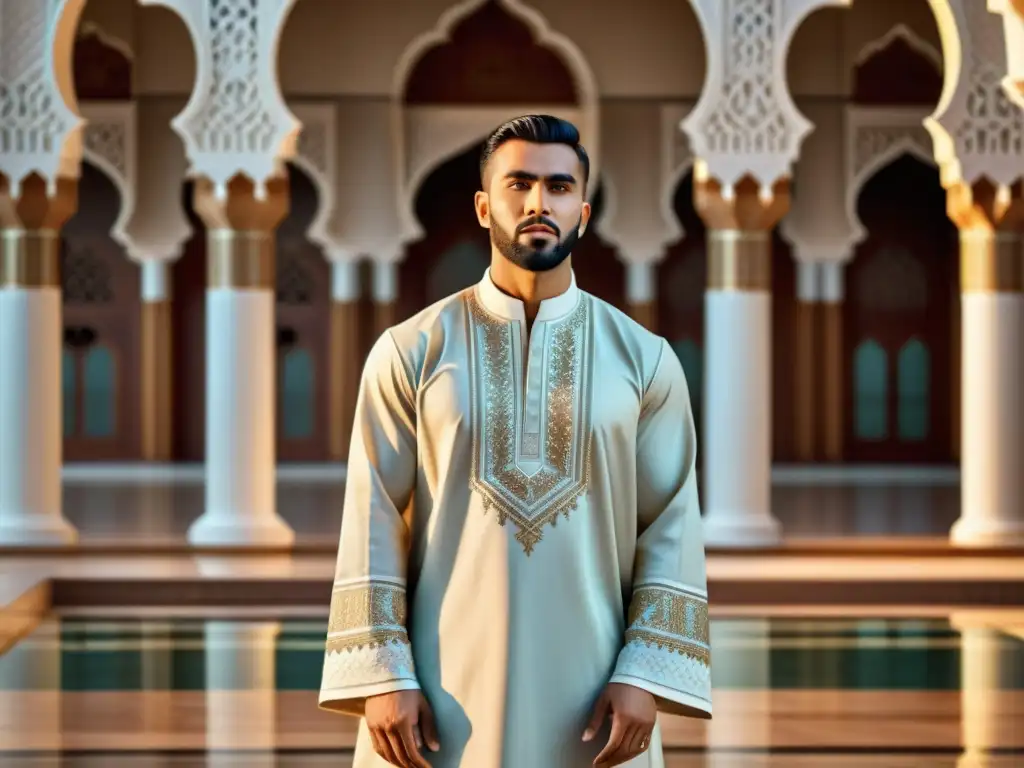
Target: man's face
column 533, row 203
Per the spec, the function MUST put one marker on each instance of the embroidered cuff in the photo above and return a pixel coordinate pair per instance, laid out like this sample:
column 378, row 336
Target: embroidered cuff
column 367, row 641
column 667, row 645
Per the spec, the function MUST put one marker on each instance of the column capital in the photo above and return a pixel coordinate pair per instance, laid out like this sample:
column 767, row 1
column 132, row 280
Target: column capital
column 750, row 207
column 1013, row 30
column 976, row 130
column 746, row 123
column 236, row 122
column 40, row 119
column 985, row 206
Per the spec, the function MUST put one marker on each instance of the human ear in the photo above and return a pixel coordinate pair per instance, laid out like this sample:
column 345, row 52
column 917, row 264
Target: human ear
column 482, row 205
column 584, row 218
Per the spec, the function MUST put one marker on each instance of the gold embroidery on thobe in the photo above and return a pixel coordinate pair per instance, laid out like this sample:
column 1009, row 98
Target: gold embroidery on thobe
column 536, row 500
column 367, row 614
column 671, row 619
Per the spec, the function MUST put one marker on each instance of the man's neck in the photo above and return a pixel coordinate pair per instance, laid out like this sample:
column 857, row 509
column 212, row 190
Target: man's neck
column 531, row 288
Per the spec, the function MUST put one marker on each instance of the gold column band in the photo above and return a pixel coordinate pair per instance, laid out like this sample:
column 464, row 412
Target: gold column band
column 991, row 262
column 239, row 259
column 739, row 260
column 30, row 258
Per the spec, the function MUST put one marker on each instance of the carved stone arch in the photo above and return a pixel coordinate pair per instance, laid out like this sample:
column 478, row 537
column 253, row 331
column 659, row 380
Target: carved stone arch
column 898, row 68
column 427, row 136
column 315, row 155
column 108, row 142
column 874, row 138
column 103, row 65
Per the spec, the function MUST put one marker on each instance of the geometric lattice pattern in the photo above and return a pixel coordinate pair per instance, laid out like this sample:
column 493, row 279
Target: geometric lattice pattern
column 85, row 277
column 294, row 283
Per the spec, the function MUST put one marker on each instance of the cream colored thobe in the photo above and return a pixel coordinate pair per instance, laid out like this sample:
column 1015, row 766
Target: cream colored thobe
column 521, row 527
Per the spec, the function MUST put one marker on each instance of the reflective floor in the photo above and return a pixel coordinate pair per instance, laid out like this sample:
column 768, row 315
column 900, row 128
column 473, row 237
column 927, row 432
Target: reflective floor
column 159, row 511
column 124, row 691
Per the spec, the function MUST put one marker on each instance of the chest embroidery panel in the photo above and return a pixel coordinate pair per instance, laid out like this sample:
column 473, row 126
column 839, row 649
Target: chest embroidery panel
column 531, row 418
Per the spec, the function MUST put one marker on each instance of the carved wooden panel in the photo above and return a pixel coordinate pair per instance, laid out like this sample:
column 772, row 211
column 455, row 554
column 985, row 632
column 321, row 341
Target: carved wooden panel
column 101, row 314
column 900, row 290
column 491, row 58
column 101, row 71
column 898, row 74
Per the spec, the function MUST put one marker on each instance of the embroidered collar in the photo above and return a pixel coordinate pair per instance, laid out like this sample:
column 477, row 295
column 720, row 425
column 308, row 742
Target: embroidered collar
column 495, row 300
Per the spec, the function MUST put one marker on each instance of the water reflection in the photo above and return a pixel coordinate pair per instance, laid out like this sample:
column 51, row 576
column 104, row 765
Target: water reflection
column 237, row 690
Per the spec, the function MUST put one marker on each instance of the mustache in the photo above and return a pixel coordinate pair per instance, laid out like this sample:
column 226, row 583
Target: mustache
column 538, row 221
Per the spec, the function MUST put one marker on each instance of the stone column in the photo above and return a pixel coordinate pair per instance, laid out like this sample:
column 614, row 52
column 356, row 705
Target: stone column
column 641, row 295
column 157, row 367
column 992, row 333
column 40, row 137
column 237, row 134
column 977, row 135
column 240, row 366
column 833, row 362
column 385, row 295
column 738, row 363
column 806, row 391
column 155, row 235
column 745, row 133
column 346, row 357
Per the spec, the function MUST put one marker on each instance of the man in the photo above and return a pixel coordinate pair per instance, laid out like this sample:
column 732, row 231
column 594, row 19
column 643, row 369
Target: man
column 467, row 628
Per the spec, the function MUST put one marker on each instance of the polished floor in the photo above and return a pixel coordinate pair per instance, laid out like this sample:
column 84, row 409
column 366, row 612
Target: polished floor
column 155, row 509
column 98, row 690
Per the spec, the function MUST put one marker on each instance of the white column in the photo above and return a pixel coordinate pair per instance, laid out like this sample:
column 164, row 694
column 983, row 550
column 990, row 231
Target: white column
column 737, row 418
column 992, row 412
column 39, row 134
column 640, row 287
column 236, row 140
column 385, row 281
column 345, row 287
column 240, row 438
column 31, row 417
column 241, row 692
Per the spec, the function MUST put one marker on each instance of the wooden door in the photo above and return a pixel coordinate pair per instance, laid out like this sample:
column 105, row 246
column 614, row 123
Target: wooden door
column 101, row 313
column 898, row 318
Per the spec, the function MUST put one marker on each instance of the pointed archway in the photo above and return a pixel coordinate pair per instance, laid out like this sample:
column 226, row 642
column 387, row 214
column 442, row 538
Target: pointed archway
column 900, row 312
column 100, row 358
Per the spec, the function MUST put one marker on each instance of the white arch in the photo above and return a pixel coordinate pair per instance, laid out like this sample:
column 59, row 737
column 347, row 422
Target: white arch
column 587, row 102
column 441, row 33
column 907, row 35
column 903, row 146
column 115, row 157
column 317, row 231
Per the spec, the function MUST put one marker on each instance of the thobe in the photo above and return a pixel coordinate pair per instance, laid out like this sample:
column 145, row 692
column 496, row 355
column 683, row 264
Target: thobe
column 520, row 527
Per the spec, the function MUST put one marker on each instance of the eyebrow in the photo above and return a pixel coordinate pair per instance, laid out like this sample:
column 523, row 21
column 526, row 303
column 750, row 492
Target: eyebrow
column 557, row 178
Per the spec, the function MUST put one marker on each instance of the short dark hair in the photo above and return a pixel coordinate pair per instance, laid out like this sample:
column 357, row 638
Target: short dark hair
column 539, row 129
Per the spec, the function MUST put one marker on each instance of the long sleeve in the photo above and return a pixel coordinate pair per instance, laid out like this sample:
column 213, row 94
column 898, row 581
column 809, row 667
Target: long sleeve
column 666, row 649
column 368, row 650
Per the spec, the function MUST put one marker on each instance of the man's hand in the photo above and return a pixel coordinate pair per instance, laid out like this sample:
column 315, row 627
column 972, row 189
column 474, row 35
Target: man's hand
column 400, row 723
column 633, row 714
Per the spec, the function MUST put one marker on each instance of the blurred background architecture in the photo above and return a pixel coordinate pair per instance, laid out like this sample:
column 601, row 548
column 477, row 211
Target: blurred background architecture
column 211, row 208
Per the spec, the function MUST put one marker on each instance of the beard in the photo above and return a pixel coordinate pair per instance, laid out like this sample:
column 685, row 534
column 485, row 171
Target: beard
column 539, row 255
